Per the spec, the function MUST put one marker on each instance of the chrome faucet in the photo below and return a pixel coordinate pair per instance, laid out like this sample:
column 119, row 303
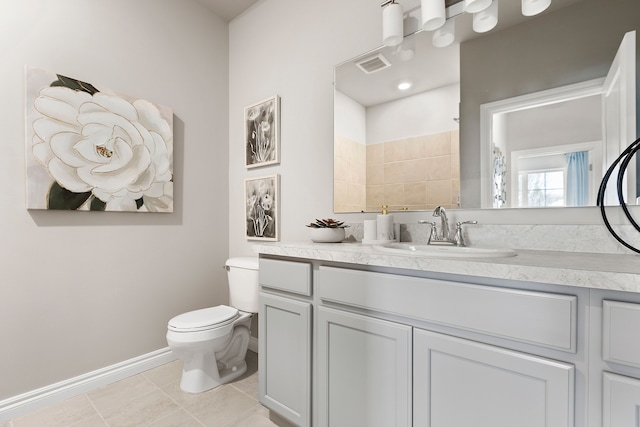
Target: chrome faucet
column 444, row 222
column 444, row 238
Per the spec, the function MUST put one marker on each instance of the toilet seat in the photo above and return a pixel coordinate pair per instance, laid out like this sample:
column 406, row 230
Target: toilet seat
column 204, row 319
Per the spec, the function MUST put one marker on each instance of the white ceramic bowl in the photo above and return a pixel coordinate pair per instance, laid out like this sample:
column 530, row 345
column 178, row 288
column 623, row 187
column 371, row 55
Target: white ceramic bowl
column 326, row 235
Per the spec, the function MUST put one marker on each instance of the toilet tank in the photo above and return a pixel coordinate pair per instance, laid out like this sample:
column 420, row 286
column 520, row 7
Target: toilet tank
column 242, row 273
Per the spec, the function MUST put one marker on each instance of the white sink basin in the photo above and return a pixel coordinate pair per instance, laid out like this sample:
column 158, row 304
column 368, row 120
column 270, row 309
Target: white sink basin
column 440, row 251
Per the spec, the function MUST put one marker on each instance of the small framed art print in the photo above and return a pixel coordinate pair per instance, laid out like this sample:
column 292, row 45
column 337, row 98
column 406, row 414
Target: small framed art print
column 262, row 196
column 262, row 133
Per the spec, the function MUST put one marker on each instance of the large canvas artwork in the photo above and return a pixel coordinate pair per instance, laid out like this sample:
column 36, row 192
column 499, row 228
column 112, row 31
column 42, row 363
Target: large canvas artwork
column 261, row 210
column 88, row 148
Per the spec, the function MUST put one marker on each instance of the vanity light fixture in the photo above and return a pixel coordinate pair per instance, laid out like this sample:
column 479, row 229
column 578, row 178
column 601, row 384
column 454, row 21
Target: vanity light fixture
column 392, row 23
column 534, row 7
column 445, row 35
column 485, row 16
column 407, row 49
column 475, row 6
column 434, row 14
column 487, row 19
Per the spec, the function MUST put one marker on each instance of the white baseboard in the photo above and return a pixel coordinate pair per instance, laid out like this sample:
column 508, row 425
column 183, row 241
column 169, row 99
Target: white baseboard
column 55, row 393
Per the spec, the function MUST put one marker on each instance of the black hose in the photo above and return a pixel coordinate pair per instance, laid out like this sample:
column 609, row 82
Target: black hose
column 624, row 159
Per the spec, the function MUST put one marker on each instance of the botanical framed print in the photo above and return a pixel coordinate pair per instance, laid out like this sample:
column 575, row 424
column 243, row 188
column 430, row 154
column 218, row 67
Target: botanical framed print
column 262, row 133
column 89, row 148
column 262, row 210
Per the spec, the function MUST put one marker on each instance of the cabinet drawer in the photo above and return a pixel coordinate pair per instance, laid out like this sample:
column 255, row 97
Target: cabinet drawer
column 538, row 318
column 620, row 325
column 287, row 276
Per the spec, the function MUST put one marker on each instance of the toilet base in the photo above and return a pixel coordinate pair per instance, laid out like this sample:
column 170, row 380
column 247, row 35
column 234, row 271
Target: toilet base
column 198, row 381
column 204, row 371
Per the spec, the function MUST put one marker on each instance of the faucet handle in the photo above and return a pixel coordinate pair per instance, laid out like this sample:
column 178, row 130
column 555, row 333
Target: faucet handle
column 433, row 236
column 458, row 224
column 459, row 237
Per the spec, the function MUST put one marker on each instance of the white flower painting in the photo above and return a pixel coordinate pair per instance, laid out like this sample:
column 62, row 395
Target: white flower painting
column 261, row 209
column 92, row 149
column 262, row 133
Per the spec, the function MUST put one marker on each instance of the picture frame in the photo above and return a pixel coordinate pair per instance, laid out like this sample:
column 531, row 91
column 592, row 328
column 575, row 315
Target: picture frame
column 74, row 161
column 262, row 133
column 262, row 208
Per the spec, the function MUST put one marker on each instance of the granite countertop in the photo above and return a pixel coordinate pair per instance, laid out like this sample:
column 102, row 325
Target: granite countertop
column 588, row 270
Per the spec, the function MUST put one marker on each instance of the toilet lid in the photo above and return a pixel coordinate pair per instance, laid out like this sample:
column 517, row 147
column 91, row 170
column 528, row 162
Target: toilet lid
column 202, row 319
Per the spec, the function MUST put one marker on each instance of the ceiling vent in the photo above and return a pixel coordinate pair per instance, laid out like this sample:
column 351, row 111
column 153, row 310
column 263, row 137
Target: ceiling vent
column 373, row 64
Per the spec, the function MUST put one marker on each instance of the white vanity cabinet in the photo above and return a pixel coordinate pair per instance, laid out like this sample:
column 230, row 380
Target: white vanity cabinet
column 284, row 354
column 379, row 364
column 621, row 401
column 364, row 371
column 616, row 359
column 354, row 345
column 460, row 382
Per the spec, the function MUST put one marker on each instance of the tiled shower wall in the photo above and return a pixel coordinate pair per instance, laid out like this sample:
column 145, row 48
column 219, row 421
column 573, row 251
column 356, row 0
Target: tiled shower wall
column 414, row 173
column 349, row 175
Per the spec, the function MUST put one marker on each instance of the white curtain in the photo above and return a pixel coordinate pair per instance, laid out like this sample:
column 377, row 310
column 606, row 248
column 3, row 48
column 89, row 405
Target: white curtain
column 578, row 178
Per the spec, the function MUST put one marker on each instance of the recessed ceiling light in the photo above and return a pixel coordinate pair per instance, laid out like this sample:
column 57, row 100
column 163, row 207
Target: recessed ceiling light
column 404, row 85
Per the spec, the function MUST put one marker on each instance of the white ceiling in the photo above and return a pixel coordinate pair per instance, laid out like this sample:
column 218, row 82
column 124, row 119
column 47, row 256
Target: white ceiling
column 430, row 67
column 228, row 9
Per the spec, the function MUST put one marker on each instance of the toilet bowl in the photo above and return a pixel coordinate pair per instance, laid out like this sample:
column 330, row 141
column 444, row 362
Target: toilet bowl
column 212, row 342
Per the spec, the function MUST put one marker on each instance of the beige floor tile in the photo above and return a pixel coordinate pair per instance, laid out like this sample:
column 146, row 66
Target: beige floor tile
column 142, row 411
column 248, row 383
column 179, row 418
column 165, row 374
column 228, row 405
column 63, row 414
column 154, row 399
column 215, row 407
column 258, row 416
column 109, row 398
column 95, row 421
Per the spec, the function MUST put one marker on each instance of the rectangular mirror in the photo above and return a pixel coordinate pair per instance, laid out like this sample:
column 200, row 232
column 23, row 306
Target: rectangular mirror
column 495, row 120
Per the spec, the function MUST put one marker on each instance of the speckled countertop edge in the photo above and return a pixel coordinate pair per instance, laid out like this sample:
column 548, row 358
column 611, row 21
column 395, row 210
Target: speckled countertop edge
column 587, row 270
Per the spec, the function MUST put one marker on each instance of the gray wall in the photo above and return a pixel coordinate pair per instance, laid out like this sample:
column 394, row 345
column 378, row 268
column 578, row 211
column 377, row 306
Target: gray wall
column 575, row 44
column 85, row 290
column 289, row 48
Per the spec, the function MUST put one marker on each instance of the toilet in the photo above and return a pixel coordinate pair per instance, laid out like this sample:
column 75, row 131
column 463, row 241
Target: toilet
column 212, row 342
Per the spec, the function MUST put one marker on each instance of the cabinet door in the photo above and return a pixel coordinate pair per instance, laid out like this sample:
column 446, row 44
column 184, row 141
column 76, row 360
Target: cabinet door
column 464, row 383
column 621, row 401
column 284, row 357
column 364, row 371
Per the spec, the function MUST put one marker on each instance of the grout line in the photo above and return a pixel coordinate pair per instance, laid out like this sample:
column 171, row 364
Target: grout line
column 179, row 409
column 180, row 406
column 159, row 388
column 240, row 416
column 122, row 405
column 245, row 393
column 96, row 409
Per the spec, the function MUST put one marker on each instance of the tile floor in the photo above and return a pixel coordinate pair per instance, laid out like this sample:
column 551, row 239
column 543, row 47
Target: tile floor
column 154, row 399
